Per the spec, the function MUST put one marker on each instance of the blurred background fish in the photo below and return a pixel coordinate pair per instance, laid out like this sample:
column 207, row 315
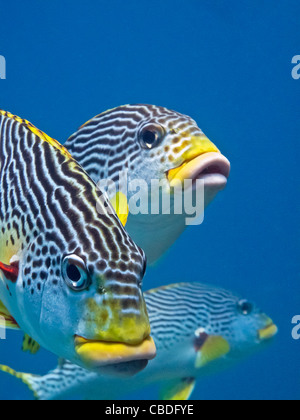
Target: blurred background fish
column 199, row 330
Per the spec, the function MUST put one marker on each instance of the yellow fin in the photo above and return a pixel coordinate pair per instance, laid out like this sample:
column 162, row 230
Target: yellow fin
column 214, row 348
column 6, row 320
column 120, row 204
column 37, row 132
column 180, row 390
column 30, row 345
column 26, row 378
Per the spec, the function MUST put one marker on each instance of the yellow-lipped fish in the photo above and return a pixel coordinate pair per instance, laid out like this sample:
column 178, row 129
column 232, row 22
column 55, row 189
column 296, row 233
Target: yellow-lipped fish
column 135, row 143
column 70, row 276
column 198, row 330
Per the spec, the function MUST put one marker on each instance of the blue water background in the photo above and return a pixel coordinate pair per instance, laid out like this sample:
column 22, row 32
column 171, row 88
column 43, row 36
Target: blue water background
column 228, row 65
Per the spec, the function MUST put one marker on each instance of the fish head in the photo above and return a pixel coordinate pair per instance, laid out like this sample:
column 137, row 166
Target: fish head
column 251, row 329
column 235, row 329
column 174, row 149
column 83, row 297
column 98, row 313
column 198, row 326
column 150, row 143
column 151, row 153
column 70, row 275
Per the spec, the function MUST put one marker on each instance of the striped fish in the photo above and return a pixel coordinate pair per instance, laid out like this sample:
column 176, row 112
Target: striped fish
column 150, row 143
column 198, row 329
column 70, row 277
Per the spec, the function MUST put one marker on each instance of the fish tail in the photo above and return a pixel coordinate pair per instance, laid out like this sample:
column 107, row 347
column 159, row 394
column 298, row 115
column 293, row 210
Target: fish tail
column 26, row 378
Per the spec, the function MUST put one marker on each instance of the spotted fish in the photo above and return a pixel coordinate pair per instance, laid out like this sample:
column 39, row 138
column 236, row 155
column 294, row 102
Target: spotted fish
column 70, row 277
column 198, row 330
column 150, row 143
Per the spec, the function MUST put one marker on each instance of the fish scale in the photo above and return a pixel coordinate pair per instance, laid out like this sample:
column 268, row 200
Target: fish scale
column 51, row 210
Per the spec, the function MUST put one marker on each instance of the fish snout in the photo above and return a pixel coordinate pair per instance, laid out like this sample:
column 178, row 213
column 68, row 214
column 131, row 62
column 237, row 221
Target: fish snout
column 201, row 161
column 199, row 145
column 95, row 354
column 269, row 331
column 120, row 334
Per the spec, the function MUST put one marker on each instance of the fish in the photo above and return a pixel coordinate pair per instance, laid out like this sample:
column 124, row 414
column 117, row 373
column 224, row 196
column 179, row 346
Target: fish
column 199, row 330
column 147, row 142
column 70, row 276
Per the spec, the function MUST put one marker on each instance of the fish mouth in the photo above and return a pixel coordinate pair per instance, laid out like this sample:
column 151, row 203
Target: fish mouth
column 99, row 354
column 268, row 332
column 125, row 369
column 212, row 167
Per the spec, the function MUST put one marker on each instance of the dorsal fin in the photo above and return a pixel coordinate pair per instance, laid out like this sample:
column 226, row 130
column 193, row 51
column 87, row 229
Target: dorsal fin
column 37, row 132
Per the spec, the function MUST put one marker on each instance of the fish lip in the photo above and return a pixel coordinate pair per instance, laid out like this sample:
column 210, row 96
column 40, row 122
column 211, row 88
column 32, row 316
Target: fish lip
column 123, row 370
column 96, row 353
column 211, row 167
column 268, row 332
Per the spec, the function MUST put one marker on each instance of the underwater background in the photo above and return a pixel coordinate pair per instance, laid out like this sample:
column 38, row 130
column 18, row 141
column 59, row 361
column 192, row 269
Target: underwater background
column 228, row 65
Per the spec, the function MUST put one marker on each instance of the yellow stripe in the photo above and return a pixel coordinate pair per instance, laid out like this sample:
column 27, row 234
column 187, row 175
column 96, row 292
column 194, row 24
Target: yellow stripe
column 37, row 132
column 24, row 377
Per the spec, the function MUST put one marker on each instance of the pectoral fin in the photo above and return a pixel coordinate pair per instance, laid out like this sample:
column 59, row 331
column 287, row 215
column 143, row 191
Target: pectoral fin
column 213, row 348
column 30, row 345
column 6, row 320
column 181, row 390
column 120, row 204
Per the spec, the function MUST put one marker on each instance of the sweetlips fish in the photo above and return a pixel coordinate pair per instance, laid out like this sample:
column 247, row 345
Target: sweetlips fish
column 198, row 330
column 70, row 277
column 147, row 142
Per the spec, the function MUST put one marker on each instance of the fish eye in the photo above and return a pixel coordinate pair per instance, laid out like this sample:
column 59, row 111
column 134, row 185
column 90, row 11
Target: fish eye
column 151, row 135
column 245, row 307
column 75, row 273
